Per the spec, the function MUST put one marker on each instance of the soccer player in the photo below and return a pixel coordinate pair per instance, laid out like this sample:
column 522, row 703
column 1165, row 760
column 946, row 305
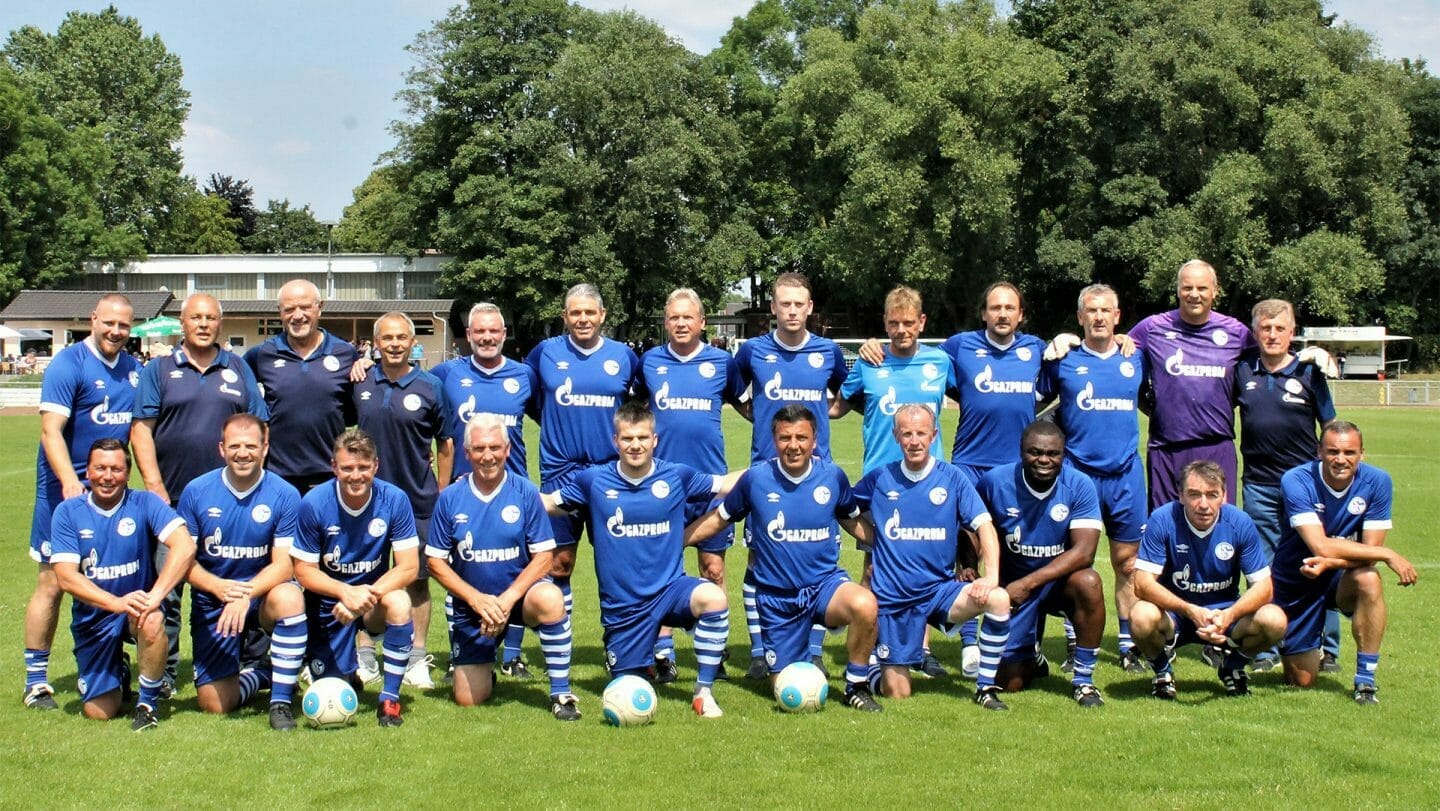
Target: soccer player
column 790, row 366
column 182, row 401
column 1282, row 403
column 245, row 519
column 687, row 382
column 349, row 530
column 305, row 372
column 1187, row 576
column 101, row 555
column 1050, row 518
column 490, row 547
column 88, row 394
column 919, row 508
column 793, row 503
column 487, row 382
column 1097, row 390
column 583, row 380
column 1337, row 516
column 403, row 408
column 636, row 511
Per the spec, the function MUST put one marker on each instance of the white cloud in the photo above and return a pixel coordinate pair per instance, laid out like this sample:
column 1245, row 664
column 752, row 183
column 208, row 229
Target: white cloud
column 699, row 25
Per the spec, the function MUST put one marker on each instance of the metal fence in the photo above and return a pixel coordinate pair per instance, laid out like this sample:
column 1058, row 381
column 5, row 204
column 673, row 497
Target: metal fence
column 1385, row 392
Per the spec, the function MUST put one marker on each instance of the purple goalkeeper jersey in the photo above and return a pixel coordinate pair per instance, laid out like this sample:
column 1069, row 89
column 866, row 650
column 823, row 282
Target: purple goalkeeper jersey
column 1192, row 370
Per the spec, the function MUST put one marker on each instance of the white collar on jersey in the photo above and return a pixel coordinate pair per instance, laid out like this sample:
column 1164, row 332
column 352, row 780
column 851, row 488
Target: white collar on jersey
column 686, row 358
column 1001, row 347
column 482, row 370
column 90, row 497
column 225, row 479
column 1038, row 493
column 582, row 350
column 788, row 347
column 1197, row 532
column 1114, row 347
column 637, row 482
column 917, row 476
column 493, row 493
column 796, row 479
column 1320, row 469
column 95, row 350
column 340, row 499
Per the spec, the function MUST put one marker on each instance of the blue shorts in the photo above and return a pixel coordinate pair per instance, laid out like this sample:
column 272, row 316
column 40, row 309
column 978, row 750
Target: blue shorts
column 468, row 644
column 1305, row 605
column 1185, row 629
column 98, row 655
column 630, row 639
column 1122, row 502
column 902, row 629
column 331, row 646
column 720, row 541
column 1027, row 621
column 45, row 505
column 972, row 472
column 567, row 528
column 217, row 657
column 786, row 619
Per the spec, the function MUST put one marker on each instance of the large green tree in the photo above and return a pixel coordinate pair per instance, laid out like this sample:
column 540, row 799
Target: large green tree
column 199, row 223
column 283, row 229
column 382, row 218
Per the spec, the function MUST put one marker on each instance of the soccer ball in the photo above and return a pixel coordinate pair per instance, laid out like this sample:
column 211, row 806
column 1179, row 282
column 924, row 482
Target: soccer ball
column 801, row 687
column 629, row 702
column 330, row 703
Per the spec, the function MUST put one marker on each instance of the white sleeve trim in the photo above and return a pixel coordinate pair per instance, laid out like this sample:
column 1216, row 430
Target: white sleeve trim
column 1263, row 573
column 1382, row 524
column 433, row 552
column 170, row 527
column 724, row 513
column 300, row 554
column 541, row 546
column 981, row 520
column 55, row 408
column 1088, row 523
column 66, row 557
column 1304, row 520
column 412, row 542
column 284, row 541
column 1156, row 569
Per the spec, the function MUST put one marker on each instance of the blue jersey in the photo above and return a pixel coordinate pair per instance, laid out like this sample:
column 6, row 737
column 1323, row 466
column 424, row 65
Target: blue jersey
column 580, row 393
column 780, row 375
column 1097, row 397
column 354, row 547
column 309, row 402
column 1365, row 504
column 686, row 395
column 189, row 407
column 1034, row 528
column 793, row 533
column 507, row 391
column 235, row 532
column 637, row 527
column 1279, row 414
column 95, row 396
column 996, row 392
column 112, row 548
column 405, row 417
column 919, row 522
column 922, row 378
column 1202, row 568
column 488, row 540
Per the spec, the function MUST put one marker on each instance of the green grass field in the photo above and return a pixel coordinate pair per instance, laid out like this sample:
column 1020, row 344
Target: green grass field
column 1279, row 746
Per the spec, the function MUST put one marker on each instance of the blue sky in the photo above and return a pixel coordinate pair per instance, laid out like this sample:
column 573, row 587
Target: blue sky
column 296, row 96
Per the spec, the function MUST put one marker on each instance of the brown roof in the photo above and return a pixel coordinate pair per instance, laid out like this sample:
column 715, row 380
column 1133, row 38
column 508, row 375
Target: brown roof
column 370, row 307
column 58, row 305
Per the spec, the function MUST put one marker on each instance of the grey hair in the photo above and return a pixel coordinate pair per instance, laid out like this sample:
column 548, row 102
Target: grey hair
column 914, row 408
column 483, row 307
column 484, row 421
column 1096, row 290
column 410, row 325
column 585, row 290
column 1197, row 263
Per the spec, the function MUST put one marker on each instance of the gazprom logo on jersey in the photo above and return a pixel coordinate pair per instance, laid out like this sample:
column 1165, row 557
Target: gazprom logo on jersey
column 888, row 404
column 617, row 527
column 90, row 566
column 895, row 532
column 775, row 390
column 467, row 552
column 986, row 382
column 1177, row 367
column 1087, row 401
column 467, row 411
column 564, row 397
column 1181, row 579
column 331, row 560
column 216, row 548
column 1012, row 542
column 664, row 402
column 102, row 415
column 777, row 532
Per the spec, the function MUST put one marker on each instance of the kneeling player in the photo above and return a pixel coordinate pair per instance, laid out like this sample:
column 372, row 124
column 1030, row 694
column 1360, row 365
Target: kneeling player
column 349, row 529
column 101, row 549
column 919, row 509
column 1050, row 516
column 1187, row 575
column 490, row 545
column 246, row 520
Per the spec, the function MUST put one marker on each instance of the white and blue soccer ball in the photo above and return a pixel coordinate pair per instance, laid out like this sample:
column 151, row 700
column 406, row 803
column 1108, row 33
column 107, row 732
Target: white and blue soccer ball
column 330, row 703
column 629, row 702
column 801, row 687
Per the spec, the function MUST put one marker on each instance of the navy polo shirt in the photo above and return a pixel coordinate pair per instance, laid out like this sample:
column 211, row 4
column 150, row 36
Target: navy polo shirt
column 1279, row 414
column 404, row 416
column 309, row 402
column 189, row 406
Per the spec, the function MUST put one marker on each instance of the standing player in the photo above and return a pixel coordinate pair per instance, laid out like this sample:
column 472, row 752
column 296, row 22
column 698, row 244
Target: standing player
column 87, row 395
column 687, row 382
column 793, row 503
column 403, row 408
column 1187, row 578
column 491, row 548
column 790, row 366
column 1097, row 390
column 245, row 519
column 487, row 382
column 101, row 554
column 1338, row 514
column 1050, row 518
column 349, row 530
column 636, row 512
column 919, row 509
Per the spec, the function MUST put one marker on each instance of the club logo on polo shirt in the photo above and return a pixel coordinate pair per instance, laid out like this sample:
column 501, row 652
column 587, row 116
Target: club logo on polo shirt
column 932, row 376
column 1059, row 512
column 707, row 370
column 377, row 527
column 412, row 402
column 510, row 514
column 1023, row 353
column 822, row 495
column 660, row 489
column 612, row 367
column 134, row 379
column 1224, row 551
column 816, row 360
column 331, row 363
column 1127, row 369
column 260, row 513
column 126, row 527
column 1356, row 506
column 511, row 385
column 1219, row 337
column 938, row 496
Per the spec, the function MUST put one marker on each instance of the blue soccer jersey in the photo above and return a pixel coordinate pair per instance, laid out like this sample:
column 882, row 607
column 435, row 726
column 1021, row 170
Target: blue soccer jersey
column 508, row 391
column 354, row 547
column 791, row 524
column 1280, row 412
column 405, row 417
column 580, row 393
column 1202, row 568
column 489, row 540
column 686, row 395
column 919, row 522
column 780, row 375
column 1034, row 527
column 97, row 398
column 309, row 400
column 1365, row 504
column 235, row 532
column 922, row 379
column 637, row 527
column 189, row 407
column 1097, row 397
column 997, row 395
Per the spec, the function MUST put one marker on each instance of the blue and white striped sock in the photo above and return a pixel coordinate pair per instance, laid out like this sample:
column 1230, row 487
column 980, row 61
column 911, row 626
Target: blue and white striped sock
column 287, row 651
column 993, row 636
column 1069, row 632
column 969, row 631
column 752, row 619
column 1365, row 666
column 563, row 583
column 149, row 692
column 514, row 636
column 252, row 680
column 37, row 667
column 1084, row 665
column 872, row 674
column 712, row 629
column 557, row 644
column 665, row 647
column 817, row 640
column 396, row 652
column 856, row 674
column 1126, row 643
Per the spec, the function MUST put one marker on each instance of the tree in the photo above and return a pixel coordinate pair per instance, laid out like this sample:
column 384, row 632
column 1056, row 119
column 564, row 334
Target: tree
column 200, row 223
column 382, row 218
column 239, row 202
column 282, row 229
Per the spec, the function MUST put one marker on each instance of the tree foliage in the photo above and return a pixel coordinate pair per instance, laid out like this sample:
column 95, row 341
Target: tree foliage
column 200, row 223
column 239, row 201
column 283, row 229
